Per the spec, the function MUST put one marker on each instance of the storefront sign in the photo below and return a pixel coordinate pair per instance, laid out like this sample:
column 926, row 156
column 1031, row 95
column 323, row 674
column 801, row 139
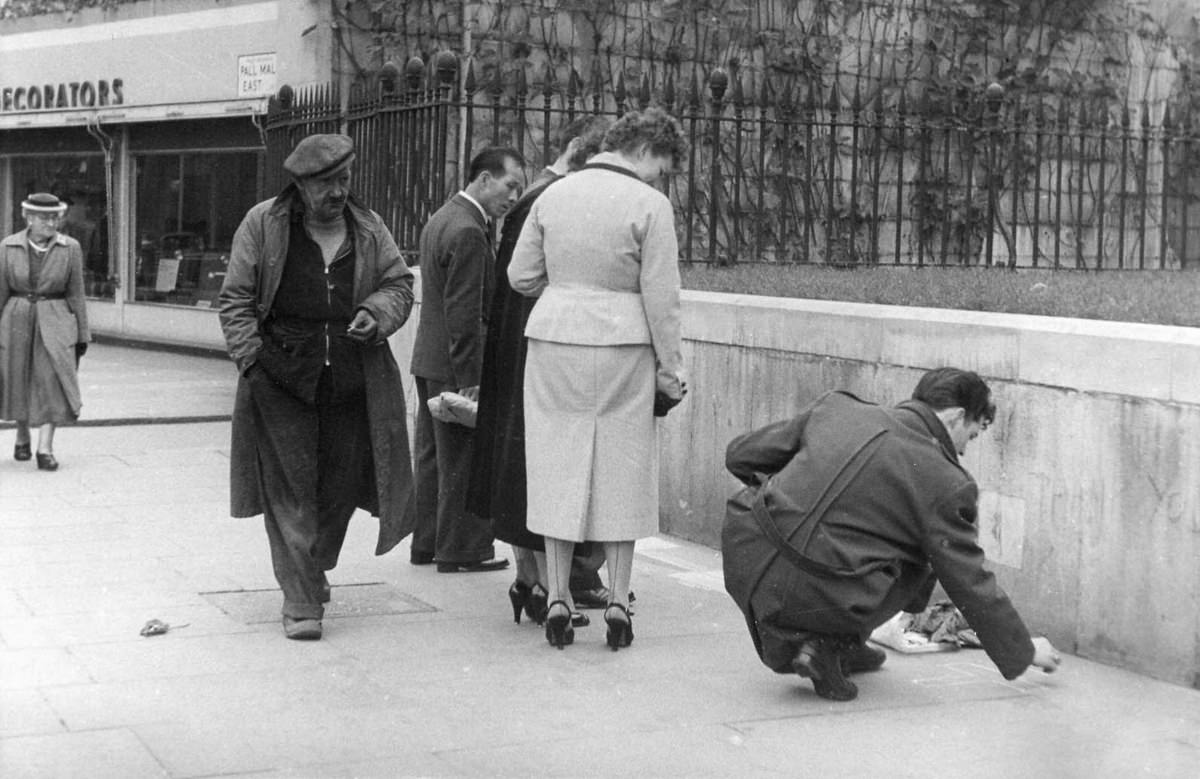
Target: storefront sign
column 256, row 75
column 74, row 94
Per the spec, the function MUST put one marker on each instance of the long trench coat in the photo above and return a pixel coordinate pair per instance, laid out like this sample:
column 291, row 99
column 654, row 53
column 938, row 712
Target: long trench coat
column 849, row 508
column 61, row 323
column 497, row 488
column 382, row 286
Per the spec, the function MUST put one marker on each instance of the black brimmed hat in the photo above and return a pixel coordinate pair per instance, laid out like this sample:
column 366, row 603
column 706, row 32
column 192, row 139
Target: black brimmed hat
column 320, row 155
column 43, row 203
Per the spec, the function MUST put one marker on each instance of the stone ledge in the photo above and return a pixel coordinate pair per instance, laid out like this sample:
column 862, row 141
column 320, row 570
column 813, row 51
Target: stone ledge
column 1156, row 362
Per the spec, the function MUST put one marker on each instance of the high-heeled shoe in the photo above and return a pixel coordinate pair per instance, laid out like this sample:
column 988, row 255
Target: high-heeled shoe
column 46, row 462
column 620, row 631
column 519, row 594
column 536, row 605
column 22, row 452
column 559, row 632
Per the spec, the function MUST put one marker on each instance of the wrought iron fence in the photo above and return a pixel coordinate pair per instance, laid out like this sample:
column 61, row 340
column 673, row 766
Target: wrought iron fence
column 783, row 172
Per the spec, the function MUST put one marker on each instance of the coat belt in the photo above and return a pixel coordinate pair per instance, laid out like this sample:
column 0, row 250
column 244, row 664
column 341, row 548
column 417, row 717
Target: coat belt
column 34, row 297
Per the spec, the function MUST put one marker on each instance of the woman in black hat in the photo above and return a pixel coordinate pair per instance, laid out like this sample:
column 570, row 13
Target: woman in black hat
column 43, row 327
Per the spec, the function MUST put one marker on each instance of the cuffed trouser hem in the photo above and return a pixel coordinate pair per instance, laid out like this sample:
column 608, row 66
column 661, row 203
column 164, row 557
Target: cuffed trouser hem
column 469, row 557
column 303, row 610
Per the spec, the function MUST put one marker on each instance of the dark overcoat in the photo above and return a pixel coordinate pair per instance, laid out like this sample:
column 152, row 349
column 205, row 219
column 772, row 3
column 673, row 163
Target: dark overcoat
column 497, row 488
column 61, row 322
column 847, row 508
column 383, row 286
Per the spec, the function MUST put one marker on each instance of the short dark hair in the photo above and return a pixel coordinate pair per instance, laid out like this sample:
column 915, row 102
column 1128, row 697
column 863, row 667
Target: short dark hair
column 492, row 159
column 943, row 388
column 590, row 131
column 655, row 127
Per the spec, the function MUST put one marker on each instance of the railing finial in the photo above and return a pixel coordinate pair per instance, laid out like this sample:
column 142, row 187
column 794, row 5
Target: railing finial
column 718, row 81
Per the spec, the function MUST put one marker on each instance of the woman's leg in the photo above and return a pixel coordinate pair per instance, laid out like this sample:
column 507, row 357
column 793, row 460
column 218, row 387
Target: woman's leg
column 558, row 571
column 616, row 616
column 619, row 555
column 527, row 568
column 542, row 575
column 23, row 436
column 45, row 438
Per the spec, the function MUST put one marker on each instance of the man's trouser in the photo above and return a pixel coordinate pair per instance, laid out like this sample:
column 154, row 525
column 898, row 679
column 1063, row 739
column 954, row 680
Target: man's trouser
column 443, row 452
column 781, row 620
column 314, row 462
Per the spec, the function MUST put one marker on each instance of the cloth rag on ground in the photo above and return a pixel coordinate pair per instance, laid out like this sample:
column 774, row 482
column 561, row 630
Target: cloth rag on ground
column 939, row 628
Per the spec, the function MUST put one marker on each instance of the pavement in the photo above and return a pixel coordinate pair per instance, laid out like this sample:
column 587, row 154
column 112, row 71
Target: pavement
column 426, row 674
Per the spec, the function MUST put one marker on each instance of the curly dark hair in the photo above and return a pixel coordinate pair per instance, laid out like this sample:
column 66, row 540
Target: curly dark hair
column 951, row 387
column 590, row 131
column 654, row 127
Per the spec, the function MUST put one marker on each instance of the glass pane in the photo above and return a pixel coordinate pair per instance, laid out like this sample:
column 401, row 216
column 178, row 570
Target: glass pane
column 78, row 179
column 188, row 208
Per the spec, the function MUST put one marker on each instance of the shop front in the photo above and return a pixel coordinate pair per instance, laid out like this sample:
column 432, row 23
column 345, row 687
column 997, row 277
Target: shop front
column 148, row 124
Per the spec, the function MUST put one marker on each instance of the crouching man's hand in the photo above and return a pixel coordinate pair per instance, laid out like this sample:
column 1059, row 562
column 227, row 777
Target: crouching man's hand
column 1045, row 656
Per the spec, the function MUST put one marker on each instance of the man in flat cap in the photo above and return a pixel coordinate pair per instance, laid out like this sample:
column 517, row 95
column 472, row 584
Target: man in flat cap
column 315, row 286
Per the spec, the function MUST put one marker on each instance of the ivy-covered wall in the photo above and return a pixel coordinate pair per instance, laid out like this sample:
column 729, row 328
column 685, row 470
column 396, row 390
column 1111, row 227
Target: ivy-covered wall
column 940, row 51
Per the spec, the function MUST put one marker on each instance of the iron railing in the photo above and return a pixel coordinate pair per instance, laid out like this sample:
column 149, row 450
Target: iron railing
column 783, row 172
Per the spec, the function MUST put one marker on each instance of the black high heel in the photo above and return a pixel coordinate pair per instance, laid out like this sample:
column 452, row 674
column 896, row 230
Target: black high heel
column 535, row 606
column 620, row 631
column 22, row 452
column 519, row 594
column 46, row 462
column 559, row 632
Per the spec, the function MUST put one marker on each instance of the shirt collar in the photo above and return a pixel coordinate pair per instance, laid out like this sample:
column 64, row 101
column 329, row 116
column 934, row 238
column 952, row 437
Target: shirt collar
column 486, row 218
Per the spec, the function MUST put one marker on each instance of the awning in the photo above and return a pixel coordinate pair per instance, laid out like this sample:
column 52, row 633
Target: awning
column 126, row 114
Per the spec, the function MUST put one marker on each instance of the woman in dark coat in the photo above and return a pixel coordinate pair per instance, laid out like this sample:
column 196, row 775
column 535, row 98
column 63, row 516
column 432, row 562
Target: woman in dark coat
column 498, row 472
column 43, row 327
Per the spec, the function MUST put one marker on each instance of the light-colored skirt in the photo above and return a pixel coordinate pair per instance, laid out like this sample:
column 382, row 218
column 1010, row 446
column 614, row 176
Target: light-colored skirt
column 591, row 444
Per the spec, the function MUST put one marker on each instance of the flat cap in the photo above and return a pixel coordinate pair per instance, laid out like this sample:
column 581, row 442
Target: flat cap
column 43, row 202
column 320, row 155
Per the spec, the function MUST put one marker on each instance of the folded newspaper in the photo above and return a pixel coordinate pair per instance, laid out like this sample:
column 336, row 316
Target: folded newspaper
column 455, row 408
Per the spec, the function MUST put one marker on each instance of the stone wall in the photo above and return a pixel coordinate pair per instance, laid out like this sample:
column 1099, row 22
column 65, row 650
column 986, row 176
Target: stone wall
column 1089, row 478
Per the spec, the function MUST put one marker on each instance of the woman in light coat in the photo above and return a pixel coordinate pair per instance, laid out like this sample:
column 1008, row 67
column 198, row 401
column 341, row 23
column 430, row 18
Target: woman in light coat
column 43, row 327
column 599, row 248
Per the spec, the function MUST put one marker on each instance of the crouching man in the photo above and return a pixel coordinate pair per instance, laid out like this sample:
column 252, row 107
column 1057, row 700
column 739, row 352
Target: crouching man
column 850, row 514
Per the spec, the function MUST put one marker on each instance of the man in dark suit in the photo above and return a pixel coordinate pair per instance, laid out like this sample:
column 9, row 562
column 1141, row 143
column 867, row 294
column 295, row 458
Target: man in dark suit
column 457, row 283
column 849, row 512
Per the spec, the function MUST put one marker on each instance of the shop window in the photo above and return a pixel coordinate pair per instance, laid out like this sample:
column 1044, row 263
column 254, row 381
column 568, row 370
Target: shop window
column 78, row 180
column 188, row 206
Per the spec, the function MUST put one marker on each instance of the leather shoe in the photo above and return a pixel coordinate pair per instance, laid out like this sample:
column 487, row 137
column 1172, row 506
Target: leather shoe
column 420, row 558
column 46, row 462
column 22, row 452
column 859, row 658
column 818, row 659
column 302, row 629
column 595, row 598
column 480, row 566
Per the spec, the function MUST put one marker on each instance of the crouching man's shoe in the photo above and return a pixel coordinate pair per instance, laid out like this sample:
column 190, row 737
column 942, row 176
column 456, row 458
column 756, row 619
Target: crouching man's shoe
column 302, row 629
column 818, row 659
column 858, row 658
